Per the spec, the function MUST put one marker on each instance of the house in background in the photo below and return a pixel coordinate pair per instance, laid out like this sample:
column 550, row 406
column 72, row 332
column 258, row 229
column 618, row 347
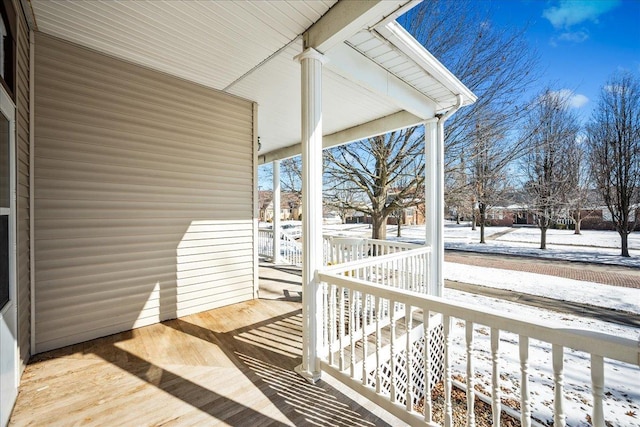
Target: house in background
column 130, row 150
column 290, row 208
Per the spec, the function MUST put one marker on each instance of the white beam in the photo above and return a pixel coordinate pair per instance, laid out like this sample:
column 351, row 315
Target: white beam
column 357, row 68
column 399, row 120
column 276, row 212
column 346, row 18
column 395, row 34
column 311, row 134
column 432, row 206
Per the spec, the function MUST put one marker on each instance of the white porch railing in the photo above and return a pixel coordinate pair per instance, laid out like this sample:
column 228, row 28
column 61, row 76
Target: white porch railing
column 336, row 249
column 376, row 316
column 290, row 250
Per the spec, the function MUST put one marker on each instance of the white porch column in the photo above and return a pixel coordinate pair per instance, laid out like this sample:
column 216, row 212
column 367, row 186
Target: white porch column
column 276, row 212
column 434, row 202
column 311, row 62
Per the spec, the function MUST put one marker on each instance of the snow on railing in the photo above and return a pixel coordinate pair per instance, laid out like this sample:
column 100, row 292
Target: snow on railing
column 379, row 305
column 290, row 250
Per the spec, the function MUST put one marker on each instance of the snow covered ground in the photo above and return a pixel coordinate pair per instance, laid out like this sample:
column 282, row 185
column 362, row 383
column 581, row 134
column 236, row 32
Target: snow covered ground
column 591, row 246
column 622, row 382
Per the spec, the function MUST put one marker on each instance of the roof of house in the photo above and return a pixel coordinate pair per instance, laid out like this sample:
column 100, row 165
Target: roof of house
column 377, row 77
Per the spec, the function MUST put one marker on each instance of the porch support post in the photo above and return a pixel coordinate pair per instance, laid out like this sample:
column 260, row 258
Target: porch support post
column 434, row 202
column 311, row 62
column 276, row 212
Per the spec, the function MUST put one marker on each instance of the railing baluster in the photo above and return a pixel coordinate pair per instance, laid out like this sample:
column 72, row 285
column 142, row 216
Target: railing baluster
column 404, row 266
column 378, row 313
column 365, row 298
column 525, row 396
column 333, row 314
column 392, row 348
column 597, row 386
column 496, row 395
column 370, row 312
column 341, row 321
column 352, row 332
column 326, row 316
column 448, row 409
column 471, row 392
column 426, row 331
column 409, row 326
column 559, row 418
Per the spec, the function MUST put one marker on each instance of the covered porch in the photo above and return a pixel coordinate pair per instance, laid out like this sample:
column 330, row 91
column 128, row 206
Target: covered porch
column 140, row 127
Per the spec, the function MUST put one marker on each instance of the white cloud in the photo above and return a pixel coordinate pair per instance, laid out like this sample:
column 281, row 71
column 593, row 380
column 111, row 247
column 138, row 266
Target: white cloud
column 578, row 100
column 573, row 100
column 576, row 36
column 572, row 12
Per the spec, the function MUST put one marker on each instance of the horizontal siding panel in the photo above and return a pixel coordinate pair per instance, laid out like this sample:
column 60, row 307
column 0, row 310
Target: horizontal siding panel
column 91, row 210
column 58, row 82
column 78, row 152
column 101, row 118
column 118, row 326
column 156, row 298
column 74, row 171
column 59, row 248
column 226, row 144
column 86, row 266
column 144, row 196
column 94, row 315
column 76, row 190
column 171, row 228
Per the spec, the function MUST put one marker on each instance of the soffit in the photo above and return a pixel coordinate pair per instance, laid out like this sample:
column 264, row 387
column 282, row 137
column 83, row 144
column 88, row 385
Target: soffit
column 208, row 42
column 247, row 49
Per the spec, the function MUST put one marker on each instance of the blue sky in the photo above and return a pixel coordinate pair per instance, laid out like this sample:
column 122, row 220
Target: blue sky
column 581, row 42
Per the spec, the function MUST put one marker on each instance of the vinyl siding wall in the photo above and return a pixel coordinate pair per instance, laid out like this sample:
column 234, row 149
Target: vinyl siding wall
column 143, row 196
column 23, row 190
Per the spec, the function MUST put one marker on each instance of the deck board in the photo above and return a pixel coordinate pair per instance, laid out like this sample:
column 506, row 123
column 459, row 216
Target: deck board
column 229, row 366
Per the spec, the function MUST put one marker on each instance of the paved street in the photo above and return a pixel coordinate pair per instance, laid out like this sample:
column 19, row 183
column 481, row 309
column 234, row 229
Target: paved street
column 598, row 273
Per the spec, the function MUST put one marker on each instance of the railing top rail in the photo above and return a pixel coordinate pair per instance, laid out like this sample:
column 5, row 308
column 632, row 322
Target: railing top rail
column 618, row 348
column 375, row 241
column 367, row 262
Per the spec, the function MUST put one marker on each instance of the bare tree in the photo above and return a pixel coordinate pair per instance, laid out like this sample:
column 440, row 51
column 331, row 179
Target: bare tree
column 457, row 190
column 376, row 167
column 341, row 198
column 291, row 181
column 550, row 131
column 613, row 136
column 492, row 153
column 579, row 182
column 497, row 64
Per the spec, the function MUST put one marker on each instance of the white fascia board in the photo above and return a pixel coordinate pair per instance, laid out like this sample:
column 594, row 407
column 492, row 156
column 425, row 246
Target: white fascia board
column 400, row 120
column 359, row 69
column 346, row 18
column 404, row 42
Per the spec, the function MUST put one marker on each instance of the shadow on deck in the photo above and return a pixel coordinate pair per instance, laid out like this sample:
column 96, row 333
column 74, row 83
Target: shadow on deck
column 231, row 366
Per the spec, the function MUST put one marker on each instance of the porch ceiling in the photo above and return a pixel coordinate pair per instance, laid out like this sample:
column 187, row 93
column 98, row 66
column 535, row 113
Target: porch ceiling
column 247, row 48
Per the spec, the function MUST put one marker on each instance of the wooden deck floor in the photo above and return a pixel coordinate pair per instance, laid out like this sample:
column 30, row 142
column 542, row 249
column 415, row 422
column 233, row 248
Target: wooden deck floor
column 230, row 366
